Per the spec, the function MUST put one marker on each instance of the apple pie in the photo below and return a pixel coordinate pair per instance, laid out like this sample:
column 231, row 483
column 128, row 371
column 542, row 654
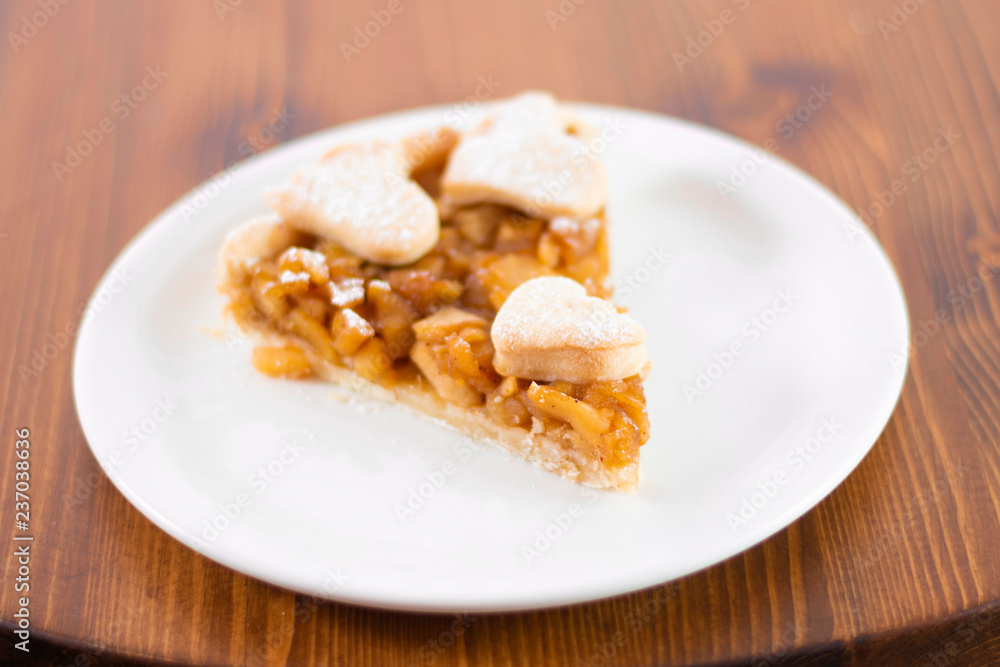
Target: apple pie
column 461, row 274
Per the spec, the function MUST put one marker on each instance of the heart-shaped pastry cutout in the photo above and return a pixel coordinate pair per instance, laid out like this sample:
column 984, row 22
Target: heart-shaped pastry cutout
column 550, row 329
column 523, row 156
column 361, row 196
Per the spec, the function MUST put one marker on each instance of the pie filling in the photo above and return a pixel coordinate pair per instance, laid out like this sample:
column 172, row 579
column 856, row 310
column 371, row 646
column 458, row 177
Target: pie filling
column 427, row 325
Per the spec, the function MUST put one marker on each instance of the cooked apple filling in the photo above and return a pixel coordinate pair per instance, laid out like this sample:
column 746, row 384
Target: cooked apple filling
column 429, row 322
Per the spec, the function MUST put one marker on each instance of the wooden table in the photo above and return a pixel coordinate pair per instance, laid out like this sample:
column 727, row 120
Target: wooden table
column 900, row 565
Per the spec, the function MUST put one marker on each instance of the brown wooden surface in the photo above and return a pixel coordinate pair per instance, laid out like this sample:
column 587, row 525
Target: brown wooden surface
column 900, row 565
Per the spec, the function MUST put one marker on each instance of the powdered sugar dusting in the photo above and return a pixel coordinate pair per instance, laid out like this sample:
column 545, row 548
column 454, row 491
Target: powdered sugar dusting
column 361, row 196
column 347, row 292
column 555, row 312
column 292, row 277
column 564, row 226
column 354, row 320
column 524, row 156
column 312, row 261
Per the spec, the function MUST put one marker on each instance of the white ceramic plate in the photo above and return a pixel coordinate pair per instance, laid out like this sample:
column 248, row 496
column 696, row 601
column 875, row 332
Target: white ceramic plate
column 288, row 482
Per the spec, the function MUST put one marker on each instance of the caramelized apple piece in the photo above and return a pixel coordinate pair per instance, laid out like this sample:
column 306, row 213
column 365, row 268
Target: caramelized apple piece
column 342, row 264
column 621, row 443
column 591, row 422
column 564, row 387
column 347, row 292
column 302, row 260
column 291, row 283
column 309, row 329
column 477, row 294
column 269, row 295
column 456, row 357
column 473, row 335
column 287, row 361
column 518, row 234
column 508, row 410
column 372, row 361
column 350, row 331
column 592, row 265
column 424, row 292
column 549, row 250
column 432, row 263
column 445, row 322
column 345, row 268
column 505, row 274
column 623, row 395
column 478, row 224
column 451, row 242
column 244, row 311
column 333, row 250
column 393, row 318
column 579, row 237
column 312, row 303
column 452, row 389
column 508, row 387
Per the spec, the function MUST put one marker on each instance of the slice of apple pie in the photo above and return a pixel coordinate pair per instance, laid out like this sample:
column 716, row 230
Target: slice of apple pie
column 462, row 275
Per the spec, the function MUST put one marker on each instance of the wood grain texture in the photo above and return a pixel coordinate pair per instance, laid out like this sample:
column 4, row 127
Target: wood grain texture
column 900, row 565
